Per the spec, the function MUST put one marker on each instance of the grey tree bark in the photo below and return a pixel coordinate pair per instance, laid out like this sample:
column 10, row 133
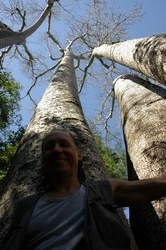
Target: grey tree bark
column 143, row 108
column 145, row 55
column 9, row 37
column 59, row 108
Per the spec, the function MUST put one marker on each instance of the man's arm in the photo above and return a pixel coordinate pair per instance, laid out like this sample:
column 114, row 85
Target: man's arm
column 128, row 193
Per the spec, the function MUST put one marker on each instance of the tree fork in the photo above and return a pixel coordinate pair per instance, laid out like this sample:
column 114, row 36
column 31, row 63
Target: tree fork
column 9, row 37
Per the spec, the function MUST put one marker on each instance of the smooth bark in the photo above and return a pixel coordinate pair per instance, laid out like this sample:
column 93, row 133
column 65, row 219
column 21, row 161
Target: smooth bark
column 143, row 108
column 145, row 55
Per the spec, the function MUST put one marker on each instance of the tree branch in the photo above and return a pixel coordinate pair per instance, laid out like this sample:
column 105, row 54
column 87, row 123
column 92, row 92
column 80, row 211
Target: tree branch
column 85, row 72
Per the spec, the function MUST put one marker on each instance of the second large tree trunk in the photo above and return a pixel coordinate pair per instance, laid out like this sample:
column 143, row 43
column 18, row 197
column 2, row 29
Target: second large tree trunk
column 143, row 111
column 145, row 55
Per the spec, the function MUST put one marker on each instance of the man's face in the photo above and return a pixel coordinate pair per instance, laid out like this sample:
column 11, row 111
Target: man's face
column 60, row 155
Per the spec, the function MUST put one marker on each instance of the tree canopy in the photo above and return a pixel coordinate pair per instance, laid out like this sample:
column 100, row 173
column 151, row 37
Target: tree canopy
column 77, row 25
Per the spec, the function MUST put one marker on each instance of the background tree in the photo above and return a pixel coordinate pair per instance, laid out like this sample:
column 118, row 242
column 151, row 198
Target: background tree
column 9, row 115
column 115, row 162
column 8, row 148
column 9, row 100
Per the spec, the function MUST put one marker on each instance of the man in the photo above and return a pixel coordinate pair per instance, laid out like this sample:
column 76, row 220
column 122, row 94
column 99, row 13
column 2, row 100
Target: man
column 55, row 219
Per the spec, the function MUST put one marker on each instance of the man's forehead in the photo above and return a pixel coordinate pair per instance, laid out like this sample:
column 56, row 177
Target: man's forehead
column 58, row 135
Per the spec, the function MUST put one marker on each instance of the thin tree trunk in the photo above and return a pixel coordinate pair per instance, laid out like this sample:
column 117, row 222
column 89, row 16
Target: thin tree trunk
column 143, row 108
column 145, row 55
column 59, row 108
column 8, row 38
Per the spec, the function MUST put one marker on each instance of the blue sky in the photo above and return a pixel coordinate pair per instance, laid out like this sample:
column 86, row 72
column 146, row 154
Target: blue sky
column 153, row 22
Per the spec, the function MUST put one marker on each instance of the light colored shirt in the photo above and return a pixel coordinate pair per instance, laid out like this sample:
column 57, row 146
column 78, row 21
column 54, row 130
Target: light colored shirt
column 58, row 224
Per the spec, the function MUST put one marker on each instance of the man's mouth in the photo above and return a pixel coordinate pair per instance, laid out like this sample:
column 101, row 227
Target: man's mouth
column 60, row 159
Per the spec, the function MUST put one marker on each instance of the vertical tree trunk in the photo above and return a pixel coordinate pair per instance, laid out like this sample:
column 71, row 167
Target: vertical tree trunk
column 143, row 108
column 59, row 108
column 145, row 55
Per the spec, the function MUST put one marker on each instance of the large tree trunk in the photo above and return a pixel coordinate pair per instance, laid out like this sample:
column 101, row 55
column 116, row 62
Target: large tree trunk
column 143, row 108
column 59, row 108
column 145, row 55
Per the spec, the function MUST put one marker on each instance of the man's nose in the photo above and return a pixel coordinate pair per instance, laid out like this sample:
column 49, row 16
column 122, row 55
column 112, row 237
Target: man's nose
column 57, row 147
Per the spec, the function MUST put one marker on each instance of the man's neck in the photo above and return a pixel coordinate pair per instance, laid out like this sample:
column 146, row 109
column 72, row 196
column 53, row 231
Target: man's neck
column 62, row 189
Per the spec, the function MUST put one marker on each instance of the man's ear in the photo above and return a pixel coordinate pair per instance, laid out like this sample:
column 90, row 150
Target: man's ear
column 79, row 155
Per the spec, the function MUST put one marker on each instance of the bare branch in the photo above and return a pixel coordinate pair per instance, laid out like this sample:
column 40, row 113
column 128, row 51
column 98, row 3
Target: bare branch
column 75, row 39
column 112, row 107
column 22, row 17
column 40, row 75
column 2, row 56
column 28, row 52
column 103, row 63
column 55, row 41
column 85, row 72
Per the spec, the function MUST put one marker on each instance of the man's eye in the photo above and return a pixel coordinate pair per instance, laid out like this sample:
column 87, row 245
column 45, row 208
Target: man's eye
column 64, row 144
column 49, row 146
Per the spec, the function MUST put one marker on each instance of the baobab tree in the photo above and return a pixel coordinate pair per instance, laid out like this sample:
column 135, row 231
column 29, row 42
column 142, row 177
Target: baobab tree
column 143, row 106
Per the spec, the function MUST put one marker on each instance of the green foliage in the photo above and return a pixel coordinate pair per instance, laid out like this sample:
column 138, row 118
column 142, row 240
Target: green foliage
column 2, row 175
column 115, row 162
column 9, row 108
column 8, row 149
column 9, row 100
